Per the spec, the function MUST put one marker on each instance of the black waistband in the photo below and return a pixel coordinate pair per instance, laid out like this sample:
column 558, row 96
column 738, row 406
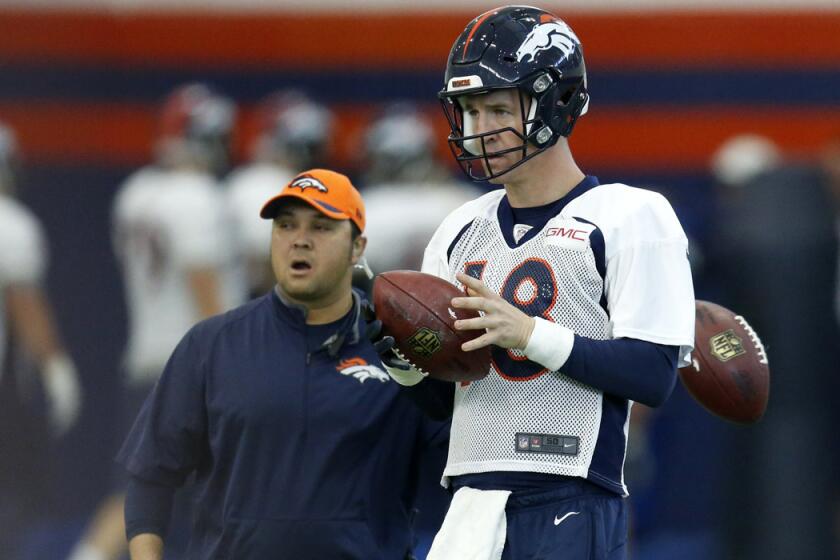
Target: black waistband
column 510, row 480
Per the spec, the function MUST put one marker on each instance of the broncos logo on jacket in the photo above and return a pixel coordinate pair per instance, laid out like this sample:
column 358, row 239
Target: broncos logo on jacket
column 361, row 370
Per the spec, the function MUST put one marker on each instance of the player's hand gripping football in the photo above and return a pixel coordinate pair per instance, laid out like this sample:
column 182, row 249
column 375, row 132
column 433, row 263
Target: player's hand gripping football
column 507, row 326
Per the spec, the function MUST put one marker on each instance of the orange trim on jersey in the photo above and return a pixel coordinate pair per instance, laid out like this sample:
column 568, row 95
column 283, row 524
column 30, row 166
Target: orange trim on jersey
column 514, row 357
column 545, row 314
column 516, row 379
column 467, row 265
column 533, row 297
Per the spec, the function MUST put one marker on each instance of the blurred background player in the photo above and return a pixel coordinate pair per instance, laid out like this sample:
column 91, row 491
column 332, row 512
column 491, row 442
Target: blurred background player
column 293, row 135
column 28, row 333
column 775, row 256
column 171, row 237
column 402, row 174
column 677, row 455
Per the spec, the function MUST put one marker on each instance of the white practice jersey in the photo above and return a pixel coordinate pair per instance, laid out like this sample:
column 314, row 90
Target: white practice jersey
column 167, row 223
column 611, row 264
column 248, row 189
column 396, row 230
column 23, row 256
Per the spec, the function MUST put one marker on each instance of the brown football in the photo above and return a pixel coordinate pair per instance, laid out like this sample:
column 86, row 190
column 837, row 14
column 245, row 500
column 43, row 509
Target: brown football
column 415, row 309
column 729, row 374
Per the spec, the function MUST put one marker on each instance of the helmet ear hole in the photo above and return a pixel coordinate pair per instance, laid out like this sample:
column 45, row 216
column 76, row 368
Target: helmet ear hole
column 566, row 97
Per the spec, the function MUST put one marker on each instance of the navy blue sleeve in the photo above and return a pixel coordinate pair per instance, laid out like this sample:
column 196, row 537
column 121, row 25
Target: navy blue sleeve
column 434, row 397
column 638, row 370
column 148, row 507
column 168, row 439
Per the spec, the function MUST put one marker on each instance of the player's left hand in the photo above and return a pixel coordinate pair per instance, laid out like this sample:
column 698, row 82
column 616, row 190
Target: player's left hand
column 507, row 326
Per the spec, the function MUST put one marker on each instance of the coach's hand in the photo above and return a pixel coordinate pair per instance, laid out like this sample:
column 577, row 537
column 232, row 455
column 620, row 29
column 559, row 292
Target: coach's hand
column 399, row 369
column 506, row 326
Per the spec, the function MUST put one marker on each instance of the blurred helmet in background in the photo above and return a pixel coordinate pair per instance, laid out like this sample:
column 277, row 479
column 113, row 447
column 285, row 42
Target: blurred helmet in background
column 294, row 130
column 742, row 158
column 399, row 146
column 195, row 127
column 9, row 159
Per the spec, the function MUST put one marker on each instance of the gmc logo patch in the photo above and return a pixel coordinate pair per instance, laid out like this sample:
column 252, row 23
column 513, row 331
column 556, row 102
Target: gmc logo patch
column 578, row 234
column 569, row 234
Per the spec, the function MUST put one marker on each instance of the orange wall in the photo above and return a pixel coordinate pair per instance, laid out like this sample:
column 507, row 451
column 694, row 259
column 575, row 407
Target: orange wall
column 114, row 131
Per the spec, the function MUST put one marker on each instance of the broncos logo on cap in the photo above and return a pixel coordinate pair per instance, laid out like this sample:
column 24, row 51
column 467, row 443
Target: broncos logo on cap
column 361, row 370
column 554, row 34
column 308, row 182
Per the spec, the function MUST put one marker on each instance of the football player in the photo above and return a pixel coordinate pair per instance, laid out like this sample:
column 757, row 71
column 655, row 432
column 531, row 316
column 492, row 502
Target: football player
column 294, row 134
column 402, row 170
column 585, row 295
column 27, row 330
column 171, row 236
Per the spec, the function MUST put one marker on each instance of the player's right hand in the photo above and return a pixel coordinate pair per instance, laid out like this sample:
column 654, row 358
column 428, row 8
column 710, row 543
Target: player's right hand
column 506, row 326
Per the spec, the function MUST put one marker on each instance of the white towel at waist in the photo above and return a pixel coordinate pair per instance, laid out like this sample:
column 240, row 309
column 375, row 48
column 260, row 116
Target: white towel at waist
column 474, row 528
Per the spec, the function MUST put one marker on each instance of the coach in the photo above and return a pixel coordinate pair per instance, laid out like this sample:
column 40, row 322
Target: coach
column 299, row 442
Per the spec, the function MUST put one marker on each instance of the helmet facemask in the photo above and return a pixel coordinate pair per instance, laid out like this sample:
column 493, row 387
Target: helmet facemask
column 540, row 96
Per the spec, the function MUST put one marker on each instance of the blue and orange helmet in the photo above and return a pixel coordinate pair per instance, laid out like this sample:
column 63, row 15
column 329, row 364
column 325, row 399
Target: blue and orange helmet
column 515, row 47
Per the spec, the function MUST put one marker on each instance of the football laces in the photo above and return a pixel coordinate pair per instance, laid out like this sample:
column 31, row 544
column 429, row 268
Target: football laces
column 402, row 357
column 759, row 347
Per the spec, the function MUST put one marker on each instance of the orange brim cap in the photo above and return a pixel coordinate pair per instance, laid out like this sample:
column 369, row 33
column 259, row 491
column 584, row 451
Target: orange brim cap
column 328, row 192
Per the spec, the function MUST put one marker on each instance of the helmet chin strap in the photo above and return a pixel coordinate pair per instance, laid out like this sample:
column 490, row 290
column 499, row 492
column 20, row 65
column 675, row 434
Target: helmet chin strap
column 473, row 145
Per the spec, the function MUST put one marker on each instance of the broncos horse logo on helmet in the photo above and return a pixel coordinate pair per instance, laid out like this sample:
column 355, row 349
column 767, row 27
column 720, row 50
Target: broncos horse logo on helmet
column 515, row 47
column 555, row 34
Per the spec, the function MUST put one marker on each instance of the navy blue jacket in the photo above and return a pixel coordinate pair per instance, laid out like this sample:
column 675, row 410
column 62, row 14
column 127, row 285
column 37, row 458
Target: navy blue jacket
column 300, row 450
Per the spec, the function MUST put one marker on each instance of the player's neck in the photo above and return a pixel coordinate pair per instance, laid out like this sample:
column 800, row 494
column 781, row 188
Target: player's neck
column 544, row 179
